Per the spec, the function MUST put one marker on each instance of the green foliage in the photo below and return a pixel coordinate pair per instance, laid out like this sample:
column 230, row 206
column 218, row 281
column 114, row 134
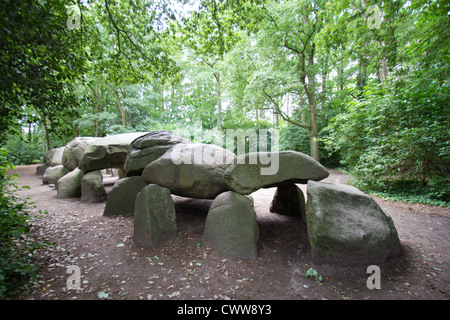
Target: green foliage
column 297, row 139
column 398, row 133
column 394, row 131
column 23, row 152
column 39, row 59
column 16, row 247
column 314, row 275
column 294, row 138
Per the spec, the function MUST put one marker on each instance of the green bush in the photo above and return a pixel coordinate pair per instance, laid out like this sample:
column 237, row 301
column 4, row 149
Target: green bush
column 395, row 138
column 16, row 247
column 23, row 152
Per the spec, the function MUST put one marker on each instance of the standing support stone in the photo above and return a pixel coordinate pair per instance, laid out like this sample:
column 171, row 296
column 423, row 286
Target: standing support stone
column 154, row 217
column 92, row 189
column 122, row 197
column 69, row 186
column 289, row 200
column 231, row 226
column 53, row 174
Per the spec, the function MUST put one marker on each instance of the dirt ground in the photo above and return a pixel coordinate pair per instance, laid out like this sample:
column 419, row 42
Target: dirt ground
column 112, row 266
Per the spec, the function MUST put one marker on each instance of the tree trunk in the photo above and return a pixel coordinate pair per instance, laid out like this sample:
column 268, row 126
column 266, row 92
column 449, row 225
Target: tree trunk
column 47, row 136
column 383, row 70
column 119, row 105
column 361, row 78
column 310, row 89
column 219, row 103
column 162, row 96
column 96, row 109
column 313, row 138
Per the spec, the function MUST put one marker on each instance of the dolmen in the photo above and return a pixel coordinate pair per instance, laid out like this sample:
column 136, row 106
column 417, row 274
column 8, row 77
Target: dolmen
column 345, row 226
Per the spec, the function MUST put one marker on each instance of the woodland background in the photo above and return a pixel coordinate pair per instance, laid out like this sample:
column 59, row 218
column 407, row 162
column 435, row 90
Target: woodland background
column 358, row 84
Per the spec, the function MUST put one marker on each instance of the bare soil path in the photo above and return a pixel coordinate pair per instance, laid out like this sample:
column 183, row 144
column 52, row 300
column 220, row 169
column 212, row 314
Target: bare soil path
column 112, row 266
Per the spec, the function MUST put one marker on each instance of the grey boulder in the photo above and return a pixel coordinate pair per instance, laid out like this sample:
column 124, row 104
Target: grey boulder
column 347, row 227
column 69, row 186
column 53, row 174
column 289, row 200
column 92, row 188
column 53, row 157
column 252, row 171
column 73, row 151
column 231, row 226
column 122, row 196
column 191, row 170
column 148, row 148
column 107, row 152
column 154, row 217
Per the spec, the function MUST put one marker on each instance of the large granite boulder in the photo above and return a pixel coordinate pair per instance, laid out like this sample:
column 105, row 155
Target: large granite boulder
column 231, row 226
column 148, row 148
column 252, row 171
column 108, row 152
column 73, row 151
column 53, row 157
column 191, row 170
column 69, row 186
column 92, row 188
column 53, row 174
column 289, row 200
column 122, row 197
column 154, row 217
column 347, row 227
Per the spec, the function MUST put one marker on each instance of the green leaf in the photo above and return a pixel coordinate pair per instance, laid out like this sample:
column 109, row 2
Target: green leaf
column 102, row 295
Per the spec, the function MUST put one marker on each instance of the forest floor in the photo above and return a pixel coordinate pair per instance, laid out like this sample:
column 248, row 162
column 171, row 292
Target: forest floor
column 112, row 266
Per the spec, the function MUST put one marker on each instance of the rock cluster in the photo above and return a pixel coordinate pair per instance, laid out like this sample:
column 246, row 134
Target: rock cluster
column 75, row 169
column 345, row 226
column 107, row 152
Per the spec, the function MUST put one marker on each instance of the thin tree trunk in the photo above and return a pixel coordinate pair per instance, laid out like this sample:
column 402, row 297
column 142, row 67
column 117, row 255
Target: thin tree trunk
column 47, row 136
column 219, row 103
column 313, row 137
column 96, row 109
column 162, row 96
column 310, row 92
column 119, row 105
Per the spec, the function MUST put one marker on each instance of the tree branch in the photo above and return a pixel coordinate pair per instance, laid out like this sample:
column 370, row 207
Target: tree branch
column 118, row 31
column 284, row 116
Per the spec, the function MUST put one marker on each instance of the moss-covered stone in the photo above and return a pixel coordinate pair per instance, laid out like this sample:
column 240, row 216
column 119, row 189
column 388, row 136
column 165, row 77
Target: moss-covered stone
column 122, row 197
column 347, row 227
column 231, row 226
column 154, row 217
